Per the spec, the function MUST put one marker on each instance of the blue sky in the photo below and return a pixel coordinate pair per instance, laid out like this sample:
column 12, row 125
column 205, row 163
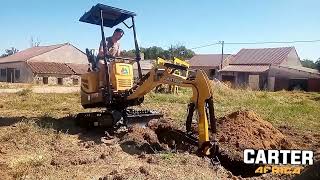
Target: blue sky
column 162, row 23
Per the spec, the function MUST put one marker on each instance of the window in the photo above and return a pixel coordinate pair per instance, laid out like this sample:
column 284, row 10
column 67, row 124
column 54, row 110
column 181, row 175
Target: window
column 45, row 80
column 3, row 72
column 75, row 81
column 60, row 81
column 212, row 72
column 17, row 74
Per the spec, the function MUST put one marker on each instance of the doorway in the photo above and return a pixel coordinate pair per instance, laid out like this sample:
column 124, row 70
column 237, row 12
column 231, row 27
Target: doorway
column 10, row 75
column 298, row 84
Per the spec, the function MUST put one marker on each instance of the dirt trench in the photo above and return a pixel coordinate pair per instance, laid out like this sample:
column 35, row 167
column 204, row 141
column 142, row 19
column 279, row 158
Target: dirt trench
column 159, row 135
column 238, row 131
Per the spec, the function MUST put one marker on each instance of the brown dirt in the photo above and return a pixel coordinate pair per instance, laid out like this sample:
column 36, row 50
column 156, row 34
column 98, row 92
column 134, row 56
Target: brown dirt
column 134, row 155
column 171, row 136
column 159, row 135
column 244, row 130
column 140, row 140
column 304, row 140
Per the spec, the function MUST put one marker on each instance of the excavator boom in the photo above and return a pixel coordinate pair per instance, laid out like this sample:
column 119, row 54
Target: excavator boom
column 201, row 100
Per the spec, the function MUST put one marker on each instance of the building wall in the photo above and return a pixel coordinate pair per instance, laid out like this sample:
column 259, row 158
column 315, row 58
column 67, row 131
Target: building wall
column 228, row 77
column 292, row 59
column 64, row 54
column 208, row 71
column 314, row 85
column 253, row 80
column 286, row 78
column 68, row 80
column 227, row 60
column 26, row 75
column 136, row 73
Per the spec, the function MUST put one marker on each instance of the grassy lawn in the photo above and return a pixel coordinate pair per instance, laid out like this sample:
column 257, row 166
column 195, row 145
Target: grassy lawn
column 33, row 141
column 4, row 85
column 298, row 109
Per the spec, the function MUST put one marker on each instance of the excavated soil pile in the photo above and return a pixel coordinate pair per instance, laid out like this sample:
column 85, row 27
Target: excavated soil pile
column 159, row 135
column 139, row 140
column 244, row 129
column 236, row 132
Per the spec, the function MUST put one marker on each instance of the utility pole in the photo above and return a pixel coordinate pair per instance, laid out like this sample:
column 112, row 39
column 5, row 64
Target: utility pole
column 171, row 52
column 222, row 46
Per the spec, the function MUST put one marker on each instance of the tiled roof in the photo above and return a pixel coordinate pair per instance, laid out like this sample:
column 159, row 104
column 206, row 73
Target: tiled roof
column 211, row 60
column 29, row 53
column 78, row 68
column 244, row 68
column 266, row 56
column 50, row 68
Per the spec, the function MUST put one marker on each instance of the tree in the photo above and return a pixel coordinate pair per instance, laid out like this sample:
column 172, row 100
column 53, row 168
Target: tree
column 318, row 64
column 9, row 52
column 153, row 52
column 308, row 63
column 129, row 53
column 181, row 51
column 34, row 43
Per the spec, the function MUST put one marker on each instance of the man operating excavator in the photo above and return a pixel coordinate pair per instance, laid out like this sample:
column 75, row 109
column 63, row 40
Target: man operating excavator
column 112, row 50
column 119, row 94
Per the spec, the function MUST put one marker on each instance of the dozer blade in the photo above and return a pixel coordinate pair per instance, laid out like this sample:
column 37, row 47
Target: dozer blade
column 141, row 117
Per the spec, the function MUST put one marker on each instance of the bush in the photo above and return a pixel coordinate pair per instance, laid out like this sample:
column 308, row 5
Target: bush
column 24, row 92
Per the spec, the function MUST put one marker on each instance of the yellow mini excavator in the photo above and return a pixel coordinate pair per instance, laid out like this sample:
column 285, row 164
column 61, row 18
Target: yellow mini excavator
column 120, row 92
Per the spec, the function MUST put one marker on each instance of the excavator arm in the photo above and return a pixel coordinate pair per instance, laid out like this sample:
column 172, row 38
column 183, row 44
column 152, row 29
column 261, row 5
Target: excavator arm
column 201, row 100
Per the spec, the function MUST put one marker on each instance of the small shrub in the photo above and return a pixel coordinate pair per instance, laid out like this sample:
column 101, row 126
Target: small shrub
column 24, row 92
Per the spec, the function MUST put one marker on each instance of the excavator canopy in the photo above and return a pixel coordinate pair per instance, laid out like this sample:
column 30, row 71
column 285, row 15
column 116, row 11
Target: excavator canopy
column 111, row 16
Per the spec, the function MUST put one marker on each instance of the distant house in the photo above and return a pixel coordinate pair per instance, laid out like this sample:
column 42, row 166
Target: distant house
column 146, row 66
column 56, row 64
column 210, row 63
column 270, row 68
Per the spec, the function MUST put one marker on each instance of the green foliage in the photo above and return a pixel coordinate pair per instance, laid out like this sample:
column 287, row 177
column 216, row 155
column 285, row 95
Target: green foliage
column 153, row 52
column 24, row 92
column 167, row 156
column 308, row 63
column 129, row 53
column 180, row 51
column 318, row 64
column 9, row 52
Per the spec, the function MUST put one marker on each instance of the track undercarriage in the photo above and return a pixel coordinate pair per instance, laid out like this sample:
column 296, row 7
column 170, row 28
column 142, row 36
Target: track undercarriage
column 115, row 119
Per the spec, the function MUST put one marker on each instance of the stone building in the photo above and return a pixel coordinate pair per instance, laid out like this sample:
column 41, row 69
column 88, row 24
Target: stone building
column 60, row 64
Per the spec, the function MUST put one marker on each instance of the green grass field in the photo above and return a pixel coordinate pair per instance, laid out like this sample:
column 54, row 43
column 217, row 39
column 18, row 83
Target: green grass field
column 33, row 132
column 297, row 109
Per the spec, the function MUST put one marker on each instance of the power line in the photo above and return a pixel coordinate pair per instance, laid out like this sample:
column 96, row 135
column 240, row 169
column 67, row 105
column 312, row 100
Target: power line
column 205, row 45
column 262, row 42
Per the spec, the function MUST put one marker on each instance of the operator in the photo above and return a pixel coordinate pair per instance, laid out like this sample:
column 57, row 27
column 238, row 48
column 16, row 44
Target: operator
column 112, row 50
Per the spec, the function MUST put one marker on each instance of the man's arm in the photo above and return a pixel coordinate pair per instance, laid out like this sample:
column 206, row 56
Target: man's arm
column 100, row 54
column 118, row 51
